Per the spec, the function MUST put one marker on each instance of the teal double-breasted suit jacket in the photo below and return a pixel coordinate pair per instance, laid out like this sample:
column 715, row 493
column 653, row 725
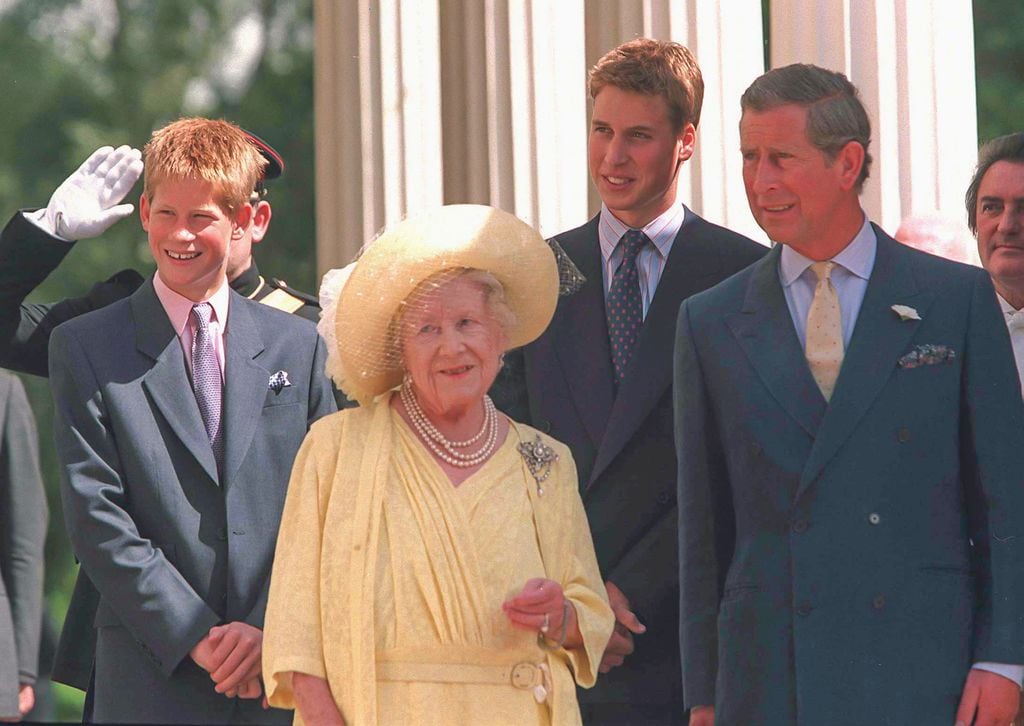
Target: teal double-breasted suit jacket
column 846, row 563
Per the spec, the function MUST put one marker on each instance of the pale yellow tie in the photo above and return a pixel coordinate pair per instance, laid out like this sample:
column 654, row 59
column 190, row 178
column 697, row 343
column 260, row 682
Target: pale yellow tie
column 824, row 339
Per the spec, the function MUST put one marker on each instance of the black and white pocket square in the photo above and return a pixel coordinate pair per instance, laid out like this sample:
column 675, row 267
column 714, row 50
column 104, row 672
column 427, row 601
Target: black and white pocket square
column 927, row 355
column 279, row 381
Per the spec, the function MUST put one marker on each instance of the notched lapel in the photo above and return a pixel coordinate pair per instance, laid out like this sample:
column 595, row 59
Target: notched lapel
column 878, row 340
column 167, row 382
column 246, row 384
column 764, row 330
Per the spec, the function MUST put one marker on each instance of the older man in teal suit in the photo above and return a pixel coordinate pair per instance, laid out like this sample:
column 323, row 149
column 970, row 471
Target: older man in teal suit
column 851, row 452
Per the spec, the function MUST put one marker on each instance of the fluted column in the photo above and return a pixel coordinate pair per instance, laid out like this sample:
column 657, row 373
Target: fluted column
column 423, row 102
column 378, row 119
column 913, row 61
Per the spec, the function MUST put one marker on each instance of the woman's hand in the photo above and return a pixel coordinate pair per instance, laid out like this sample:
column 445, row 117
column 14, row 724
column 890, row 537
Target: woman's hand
column 314, row 702
column 541, row 606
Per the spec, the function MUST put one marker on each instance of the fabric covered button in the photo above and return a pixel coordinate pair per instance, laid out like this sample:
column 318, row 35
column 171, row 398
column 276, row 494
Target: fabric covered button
column 524, row 675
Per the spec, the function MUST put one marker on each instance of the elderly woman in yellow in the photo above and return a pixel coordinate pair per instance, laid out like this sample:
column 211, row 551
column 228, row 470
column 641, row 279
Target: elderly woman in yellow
column 434, row 563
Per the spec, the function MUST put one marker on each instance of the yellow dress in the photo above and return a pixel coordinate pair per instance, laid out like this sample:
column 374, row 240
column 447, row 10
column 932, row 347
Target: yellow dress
column 388, row 580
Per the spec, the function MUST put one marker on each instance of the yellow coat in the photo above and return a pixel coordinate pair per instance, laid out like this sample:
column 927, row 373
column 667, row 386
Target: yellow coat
column 388, row 581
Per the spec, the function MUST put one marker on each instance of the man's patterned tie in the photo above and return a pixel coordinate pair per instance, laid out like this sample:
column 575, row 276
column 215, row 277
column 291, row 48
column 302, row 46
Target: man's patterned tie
column 206, row 379
column 824, row 339
column 624, row 306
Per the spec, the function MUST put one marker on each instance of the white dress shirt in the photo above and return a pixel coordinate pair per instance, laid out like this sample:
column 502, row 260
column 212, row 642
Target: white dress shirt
column 650, row 263
column 849, row 277
column 179, row 311
column 1015, row 324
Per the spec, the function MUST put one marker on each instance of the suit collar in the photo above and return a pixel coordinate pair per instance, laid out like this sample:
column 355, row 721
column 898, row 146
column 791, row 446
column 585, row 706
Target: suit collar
column 662, row 230
column 879, row 336
column 858, row 257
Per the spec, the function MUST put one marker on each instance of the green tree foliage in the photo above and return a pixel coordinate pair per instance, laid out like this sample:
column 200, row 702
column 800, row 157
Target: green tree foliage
column 79, row 75
column 999, row 69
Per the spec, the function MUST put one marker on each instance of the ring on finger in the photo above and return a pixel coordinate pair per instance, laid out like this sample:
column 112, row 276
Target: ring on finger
column 546, row 625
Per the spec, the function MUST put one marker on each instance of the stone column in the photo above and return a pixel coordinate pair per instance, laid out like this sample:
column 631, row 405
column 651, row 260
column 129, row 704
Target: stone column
column 913, row 61
column 423, row 102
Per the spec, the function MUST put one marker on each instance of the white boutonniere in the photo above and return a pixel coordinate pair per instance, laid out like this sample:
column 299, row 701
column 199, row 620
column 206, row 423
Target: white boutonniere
column 905, row 312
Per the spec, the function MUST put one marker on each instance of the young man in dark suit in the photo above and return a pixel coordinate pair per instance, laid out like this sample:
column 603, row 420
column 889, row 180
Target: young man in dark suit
column 599, row 379
column 179, row 411
column 851, row 445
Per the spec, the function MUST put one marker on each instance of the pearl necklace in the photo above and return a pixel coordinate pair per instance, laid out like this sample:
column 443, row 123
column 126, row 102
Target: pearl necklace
column 446, row 449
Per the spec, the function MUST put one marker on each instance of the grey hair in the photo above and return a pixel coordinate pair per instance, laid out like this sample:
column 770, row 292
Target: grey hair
column 835, row 113
column 495, row 304
column 494, row 298
column 1002, row 148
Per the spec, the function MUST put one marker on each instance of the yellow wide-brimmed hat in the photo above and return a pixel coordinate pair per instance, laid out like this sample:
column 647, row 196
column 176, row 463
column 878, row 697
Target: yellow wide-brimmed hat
column 364, row 363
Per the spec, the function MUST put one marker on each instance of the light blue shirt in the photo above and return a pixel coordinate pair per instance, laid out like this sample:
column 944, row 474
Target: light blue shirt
column 849, row 277
column 650, row 263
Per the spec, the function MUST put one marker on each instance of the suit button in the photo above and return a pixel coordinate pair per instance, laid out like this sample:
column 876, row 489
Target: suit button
column 874, row 518
column 663, row 497
column 544, row 425
column 238, row 531
column 878, row 602
column 800, row 526
column 222, row 534
column 903, row 435
column 804, row 610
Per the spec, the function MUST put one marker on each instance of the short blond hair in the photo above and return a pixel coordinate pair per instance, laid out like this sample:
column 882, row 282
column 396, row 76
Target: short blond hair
column 214, row 151
column 654, row 68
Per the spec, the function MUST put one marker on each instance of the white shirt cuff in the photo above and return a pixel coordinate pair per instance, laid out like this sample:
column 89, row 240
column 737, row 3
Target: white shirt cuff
column 38, row 218
column 1014, row 672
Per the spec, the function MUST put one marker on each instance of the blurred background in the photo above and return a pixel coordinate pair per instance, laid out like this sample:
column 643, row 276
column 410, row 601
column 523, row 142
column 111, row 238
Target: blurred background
column 75, row 75
column 78, row 75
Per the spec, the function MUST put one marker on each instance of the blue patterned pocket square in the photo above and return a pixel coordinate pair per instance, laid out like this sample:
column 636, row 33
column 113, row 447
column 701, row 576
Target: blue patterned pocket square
column 279, row 381
column 927, row 355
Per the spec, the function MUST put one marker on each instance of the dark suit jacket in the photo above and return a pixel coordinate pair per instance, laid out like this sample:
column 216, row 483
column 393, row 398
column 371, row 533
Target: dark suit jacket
column 845, row 563
column 27, row 256
column 173, row 546
column 23, row 518
column 623, row 444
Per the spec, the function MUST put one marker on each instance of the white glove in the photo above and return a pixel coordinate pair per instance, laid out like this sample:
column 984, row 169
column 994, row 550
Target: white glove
column 86, row 204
